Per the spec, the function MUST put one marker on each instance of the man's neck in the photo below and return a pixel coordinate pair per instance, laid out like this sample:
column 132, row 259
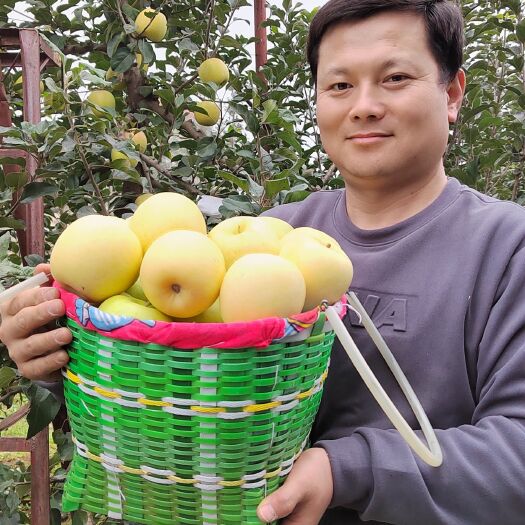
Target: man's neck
column 379, row 207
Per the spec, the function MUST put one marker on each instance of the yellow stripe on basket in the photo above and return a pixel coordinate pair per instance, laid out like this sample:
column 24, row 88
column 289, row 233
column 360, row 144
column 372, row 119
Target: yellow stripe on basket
column 207, row 410
column 304, row 394
column 195, row 408
column 172, row 477
column 236, row 483
column 262, row 406
column 73, row 377
column 106, row 393
column 131, row 470
column 153, row 403
column 183, row 481
column 92, row 456
column 273, row 473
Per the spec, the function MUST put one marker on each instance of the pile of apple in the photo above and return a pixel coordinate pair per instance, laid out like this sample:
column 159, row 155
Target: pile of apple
column 162, row 264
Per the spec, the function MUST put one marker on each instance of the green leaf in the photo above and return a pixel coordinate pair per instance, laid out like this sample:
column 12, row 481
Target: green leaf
column 248, row 116
column 238, row 205
column 166, row 94
column 5, row 240
column 291, row 139
column 33, row 190
column 129, row 11
column 68, row 144
column 207, row 150
column 51, row 85
column 6, row 376
column 240, row 183
column 113, row 44
column 255, row 189
column 11, row 223
column 9, row 161
column 122, row 60
column 228, row 41
column 90, row 78
column 147, row 51
column 269, row 107
column 274, row 186
column 520, row 31
column 44, row 408
column 64, row 444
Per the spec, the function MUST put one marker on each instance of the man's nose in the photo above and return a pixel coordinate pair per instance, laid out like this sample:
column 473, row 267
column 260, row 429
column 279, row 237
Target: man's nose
column 366, row 103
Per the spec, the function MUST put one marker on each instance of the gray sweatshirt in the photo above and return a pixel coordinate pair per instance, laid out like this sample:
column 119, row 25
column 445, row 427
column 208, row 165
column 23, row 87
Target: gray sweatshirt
column 446, row 288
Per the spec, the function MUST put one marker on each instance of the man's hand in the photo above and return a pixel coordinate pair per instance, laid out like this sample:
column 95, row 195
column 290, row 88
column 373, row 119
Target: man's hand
column 35, row 348
column 306, row 493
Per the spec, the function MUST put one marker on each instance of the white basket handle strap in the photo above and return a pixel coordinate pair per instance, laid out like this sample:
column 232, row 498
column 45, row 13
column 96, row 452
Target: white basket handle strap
column 430, row 454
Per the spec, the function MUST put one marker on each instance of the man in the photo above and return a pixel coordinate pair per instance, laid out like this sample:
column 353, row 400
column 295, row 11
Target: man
column 439, row 267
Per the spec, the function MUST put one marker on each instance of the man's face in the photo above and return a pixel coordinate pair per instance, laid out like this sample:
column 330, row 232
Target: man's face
column 378, row 76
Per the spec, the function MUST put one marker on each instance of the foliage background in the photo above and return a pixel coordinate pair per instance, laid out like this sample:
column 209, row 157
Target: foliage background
column 264, row 151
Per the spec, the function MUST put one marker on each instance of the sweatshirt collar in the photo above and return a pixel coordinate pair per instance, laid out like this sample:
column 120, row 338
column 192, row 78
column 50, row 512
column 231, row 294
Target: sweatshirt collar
column 397, row 231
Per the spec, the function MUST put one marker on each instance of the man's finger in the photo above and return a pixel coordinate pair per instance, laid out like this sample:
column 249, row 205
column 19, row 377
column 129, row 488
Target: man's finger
column 29, row 319
column 45, row 367
column 280, row 503
column 42, row 268
column 29, row 298
column 40, row 344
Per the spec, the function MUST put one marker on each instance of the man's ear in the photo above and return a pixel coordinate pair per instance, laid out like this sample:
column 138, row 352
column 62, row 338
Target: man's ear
column 455, row 93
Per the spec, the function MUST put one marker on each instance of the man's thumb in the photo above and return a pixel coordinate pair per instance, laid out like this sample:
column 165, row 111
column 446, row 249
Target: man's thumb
column 278, row 505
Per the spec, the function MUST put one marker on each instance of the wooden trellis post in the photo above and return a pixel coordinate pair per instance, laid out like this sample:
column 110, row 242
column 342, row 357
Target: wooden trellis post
column 23, row 48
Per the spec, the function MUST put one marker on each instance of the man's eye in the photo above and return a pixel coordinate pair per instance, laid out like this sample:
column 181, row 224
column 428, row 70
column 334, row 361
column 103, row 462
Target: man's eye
column 397, row 78
column 340, row 86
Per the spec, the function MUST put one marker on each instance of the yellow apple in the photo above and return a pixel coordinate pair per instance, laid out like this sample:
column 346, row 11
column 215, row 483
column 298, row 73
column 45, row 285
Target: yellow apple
column 214, row 70
column 116, row 78
column 141, row 198
column 211, row 315
column 326, row 268
column 140, row 62
column 136, row 291
column 140, row 140
column 261, row 285
column 238, row 236
column 153, row 28
column 54, row 101
column 182, row 272
column 118, row 155
column 212, row 115
column 97, row 256
column 280, row 227
column 165, row 212
column 128, row 306
column 19, row 85
column 103, row 99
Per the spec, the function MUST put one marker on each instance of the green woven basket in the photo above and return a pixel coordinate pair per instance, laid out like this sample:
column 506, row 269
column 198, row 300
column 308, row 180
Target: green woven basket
column 199, row 437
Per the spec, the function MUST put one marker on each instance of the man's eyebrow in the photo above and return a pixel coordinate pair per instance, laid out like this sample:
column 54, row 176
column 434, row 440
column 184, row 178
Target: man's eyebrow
column 387, row 64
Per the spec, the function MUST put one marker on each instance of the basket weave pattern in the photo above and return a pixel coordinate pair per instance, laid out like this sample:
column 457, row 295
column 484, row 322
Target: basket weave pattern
column 198, row 437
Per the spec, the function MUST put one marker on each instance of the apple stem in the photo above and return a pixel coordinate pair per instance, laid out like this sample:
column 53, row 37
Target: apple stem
column 175, row 288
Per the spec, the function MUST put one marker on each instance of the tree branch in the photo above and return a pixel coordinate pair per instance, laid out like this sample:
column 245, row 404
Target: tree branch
column 208, row 29
column 329, row 174
column 183, row 184
column 82, row 49
column 134, row 82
